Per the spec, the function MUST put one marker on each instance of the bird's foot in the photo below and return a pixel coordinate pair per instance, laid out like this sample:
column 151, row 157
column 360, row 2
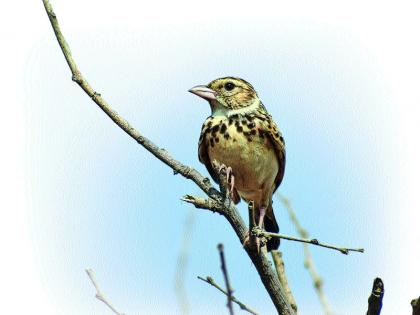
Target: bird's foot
column 252, row 242
column 253, row 239
column 230, row 179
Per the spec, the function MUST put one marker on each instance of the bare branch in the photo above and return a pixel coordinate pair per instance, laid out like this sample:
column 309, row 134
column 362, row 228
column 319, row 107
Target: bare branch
column 99, row 295
column 211, row 281
column 375, row 298
column 416, row 306
column 229, row 211
column 161, row 154
column 261, row 233
column 225, row 275
column 308, row 263
column 205, row 203
column 281, row 273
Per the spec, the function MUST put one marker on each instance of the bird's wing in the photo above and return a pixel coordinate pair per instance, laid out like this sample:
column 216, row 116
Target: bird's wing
column 203, row 144
column 270, row 130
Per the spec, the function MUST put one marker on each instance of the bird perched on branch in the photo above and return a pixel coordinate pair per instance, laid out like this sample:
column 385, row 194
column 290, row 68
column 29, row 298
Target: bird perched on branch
column 242, row 136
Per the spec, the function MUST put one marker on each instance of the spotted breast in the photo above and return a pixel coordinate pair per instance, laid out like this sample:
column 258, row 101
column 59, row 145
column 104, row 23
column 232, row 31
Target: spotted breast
column 244, row 143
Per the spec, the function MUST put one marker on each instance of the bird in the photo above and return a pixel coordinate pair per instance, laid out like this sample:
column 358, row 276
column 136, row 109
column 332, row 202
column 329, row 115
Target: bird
column 241, row 135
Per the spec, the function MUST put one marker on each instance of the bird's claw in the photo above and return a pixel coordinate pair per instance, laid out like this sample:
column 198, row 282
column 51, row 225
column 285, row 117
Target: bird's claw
column 252, row 241
column 229, row 177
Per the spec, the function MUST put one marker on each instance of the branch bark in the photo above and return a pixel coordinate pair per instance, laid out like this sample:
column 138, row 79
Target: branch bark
column 281, row 273
column 260, row 261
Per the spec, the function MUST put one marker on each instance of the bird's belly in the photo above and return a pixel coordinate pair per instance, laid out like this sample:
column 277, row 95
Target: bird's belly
column 254, row 163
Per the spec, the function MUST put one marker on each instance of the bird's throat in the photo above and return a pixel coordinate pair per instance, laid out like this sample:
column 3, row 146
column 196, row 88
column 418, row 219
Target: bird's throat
column 218, row 109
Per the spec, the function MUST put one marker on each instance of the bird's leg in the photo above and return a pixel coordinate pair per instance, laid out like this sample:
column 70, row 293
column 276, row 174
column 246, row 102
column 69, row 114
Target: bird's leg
column 261, row 218
column 249, row 238
column 251, row 241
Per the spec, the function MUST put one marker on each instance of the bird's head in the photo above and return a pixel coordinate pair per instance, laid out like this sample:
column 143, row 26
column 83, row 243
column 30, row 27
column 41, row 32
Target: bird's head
column 228, row 96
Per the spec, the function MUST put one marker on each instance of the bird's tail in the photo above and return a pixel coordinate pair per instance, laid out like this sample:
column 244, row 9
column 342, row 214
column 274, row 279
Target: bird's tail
column 270, row 225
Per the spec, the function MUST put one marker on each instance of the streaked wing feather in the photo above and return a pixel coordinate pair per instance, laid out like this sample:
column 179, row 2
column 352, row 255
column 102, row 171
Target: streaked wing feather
column 272, row 132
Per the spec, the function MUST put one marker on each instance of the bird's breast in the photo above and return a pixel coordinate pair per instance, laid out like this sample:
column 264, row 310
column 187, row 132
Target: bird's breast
column 240, row 145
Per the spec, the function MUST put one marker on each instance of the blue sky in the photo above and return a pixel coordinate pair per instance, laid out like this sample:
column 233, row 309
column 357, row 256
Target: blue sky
column 98, row 200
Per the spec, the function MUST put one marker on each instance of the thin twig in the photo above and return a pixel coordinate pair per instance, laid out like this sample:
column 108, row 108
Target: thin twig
column 214, row 206
column 211, row 281
column 281, row 273
column 230, row 212
column 225, row 275
column 308, row 262
column 375, row 298
column 261, row 233
column 99, row 295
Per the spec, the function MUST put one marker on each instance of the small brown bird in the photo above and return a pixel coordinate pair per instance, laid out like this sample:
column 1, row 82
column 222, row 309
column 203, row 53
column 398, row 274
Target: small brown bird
column 242, row 135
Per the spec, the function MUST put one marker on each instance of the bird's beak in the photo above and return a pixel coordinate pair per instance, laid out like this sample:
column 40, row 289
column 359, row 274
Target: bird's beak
column 204, row 92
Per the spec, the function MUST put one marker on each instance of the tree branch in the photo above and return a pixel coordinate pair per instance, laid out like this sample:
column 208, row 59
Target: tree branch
column 205, row 203
column 281, row 273
column 308, row 262
column 161, row 154
column 225, row 275
column 230, row 212
column 264, row 234
column 211, row 281
column 99, row 295
column 375, row 298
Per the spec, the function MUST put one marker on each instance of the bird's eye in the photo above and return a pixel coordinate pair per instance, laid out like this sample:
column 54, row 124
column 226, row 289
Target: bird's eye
column 229, row 86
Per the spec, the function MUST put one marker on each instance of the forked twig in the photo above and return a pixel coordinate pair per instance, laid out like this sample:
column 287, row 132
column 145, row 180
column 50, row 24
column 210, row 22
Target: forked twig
column 99, row 295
